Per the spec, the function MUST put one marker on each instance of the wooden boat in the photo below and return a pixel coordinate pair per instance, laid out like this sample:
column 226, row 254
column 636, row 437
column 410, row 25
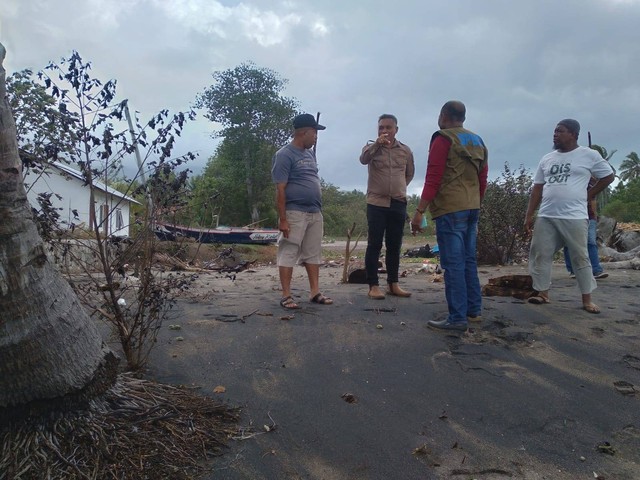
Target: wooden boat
column 220, row 234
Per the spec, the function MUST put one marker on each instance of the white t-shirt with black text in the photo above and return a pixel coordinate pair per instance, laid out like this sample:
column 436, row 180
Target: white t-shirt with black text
column 565, row 176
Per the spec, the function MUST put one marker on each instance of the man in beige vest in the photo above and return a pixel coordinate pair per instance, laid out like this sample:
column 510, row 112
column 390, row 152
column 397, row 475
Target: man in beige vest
column 454, row 186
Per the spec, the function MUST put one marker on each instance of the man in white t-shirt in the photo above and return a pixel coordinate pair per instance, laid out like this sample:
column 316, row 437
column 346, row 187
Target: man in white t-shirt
column 560, row 190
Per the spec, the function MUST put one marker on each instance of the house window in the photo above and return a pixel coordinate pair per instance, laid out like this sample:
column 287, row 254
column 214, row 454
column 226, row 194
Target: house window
column 119, row 221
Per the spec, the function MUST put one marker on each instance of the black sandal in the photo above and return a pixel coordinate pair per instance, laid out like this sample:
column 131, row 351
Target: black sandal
column 321, row 299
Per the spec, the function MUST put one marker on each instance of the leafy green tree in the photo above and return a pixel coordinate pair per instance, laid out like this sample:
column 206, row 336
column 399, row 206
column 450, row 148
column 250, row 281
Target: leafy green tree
column 624, row 205
column 41, row 128
column 501, row 238
column 630, row 167
column 218, row 196
column 342, row 209
column 256, row 121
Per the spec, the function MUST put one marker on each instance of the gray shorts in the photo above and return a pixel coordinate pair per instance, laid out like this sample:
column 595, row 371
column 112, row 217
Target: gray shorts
column 304, row 244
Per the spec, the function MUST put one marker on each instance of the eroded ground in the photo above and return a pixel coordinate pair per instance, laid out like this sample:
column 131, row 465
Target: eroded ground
column 363, row 389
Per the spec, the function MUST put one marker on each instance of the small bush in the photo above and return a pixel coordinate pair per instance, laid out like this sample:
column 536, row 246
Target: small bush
column 501, row 237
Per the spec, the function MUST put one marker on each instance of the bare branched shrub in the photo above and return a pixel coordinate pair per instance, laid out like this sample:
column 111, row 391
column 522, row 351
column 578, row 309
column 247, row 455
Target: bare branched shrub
column 501, row 237
column 138, row 296
column 120, row 283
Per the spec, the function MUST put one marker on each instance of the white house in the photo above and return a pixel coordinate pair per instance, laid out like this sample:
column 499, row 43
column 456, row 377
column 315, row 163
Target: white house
column 112, row 208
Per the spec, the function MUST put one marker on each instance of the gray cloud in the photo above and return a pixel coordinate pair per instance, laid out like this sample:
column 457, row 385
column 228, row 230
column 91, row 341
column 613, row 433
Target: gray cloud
column 518, row 66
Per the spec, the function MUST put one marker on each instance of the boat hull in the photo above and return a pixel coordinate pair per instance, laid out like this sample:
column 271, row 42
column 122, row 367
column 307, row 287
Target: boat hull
column 227, row 235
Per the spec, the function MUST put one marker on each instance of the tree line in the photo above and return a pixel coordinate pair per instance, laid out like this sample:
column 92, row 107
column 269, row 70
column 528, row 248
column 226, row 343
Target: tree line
column 235, row 187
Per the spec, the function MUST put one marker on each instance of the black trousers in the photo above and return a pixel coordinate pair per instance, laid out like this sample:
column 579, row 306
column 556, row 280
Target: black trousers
column 385, row 223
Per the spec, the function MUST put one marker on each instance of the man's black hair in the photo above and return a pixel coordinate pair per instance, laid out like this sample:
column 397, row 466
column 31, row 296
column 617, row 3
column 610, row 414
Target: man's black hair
column 455, row 110
column 388, row 115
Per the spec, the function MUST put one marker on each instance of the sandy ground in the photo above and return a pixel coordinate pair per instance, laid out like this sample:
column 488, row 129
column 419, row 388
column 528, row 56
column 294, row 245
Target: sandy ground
column 529, row 393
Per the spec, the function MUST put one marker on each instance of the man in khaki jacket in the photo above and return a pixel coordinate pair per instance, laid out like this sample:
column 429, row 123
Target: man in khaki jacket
column 391, row 168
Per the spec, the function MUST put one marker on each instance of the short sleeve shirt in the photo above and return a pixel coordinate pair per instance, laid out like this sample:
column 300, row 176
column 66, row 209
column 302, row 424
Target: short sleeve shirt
column 565, row 176
column 297, row 168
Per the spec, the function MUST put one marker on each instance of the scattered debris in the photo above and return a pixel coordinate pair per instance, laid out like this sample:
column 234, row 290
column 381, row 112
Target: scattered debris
column 381, row 310
column 349, row 398
column 246, row 432
column 421, row 450
column 422, row 252
column 230, row 318
column 606, row 447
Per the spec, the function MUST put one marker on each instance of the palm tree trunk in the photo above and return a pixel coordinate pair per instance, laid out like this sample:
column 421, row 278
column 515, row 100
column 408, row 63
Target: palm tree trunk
column 51, row 353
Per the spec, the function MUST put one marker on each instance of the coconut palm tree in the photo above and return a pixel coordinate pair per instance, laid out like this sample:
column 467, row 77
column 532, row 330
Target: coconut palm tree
column 630, row 167
column 51, row 353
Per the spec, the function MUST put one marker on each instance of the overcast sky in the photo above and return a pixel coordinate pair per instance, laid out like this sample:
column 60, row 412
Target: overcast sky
column 519, row 66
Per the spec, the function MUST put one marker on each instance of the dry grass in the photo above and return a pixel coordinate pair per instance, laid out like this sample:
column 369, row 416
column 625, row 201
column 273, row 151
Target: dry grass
column 138, row 430
column 628, row 226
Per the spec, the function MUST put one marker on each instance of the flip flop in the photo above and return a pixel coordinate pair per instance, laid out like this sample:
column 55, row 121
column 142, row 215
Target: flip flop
column 321, row 299
column 591, row 308
column 538, row 300
column 289, row 304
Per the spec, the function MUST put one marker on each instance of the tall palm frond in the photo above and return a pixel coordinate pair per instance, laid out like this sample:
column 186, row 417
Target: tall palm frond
column 630, row 167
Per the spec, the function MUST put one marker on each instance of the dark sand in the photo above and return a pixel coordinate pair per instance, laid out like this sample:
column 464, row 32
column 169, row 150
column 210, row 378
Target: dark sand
column 530, row 393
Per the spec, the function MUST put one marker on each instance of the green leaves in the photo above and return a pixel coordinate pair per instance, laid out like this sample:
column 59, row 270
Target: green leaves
column 501, row 238
column 256, row 120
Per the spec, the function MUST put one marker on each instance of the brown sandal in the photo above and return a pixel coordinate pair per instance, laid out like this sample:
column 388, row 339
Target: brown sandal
column 289, row 303
column 538, row 300
column 591, row 308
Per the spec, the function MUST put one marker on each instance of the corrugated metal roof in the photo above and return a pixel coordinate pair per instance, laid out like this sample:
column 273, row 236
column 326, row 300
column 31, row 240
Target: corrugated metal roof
column 96, row 183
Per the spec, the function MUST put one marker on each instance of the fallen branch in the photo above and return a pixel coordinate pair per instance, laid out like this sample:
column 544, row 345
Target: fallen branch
column 348, row 251
column 175, row 263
